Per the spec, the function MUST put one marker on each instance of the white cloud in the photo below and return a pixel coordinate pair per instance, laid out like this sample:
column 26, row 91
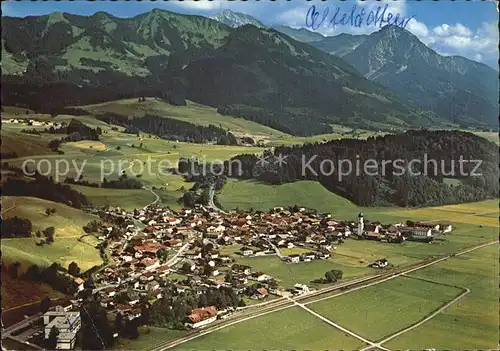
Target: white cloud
column 293, row 17
column 479, row 44
column 457, row 29
column 417, row 28
column 457, row 39
column 461, row 38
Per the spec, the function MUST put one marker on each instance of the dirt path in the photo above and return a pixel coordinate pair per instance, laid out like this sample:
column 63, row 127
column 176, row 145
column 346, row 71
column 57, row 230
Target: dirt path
column 335, row 325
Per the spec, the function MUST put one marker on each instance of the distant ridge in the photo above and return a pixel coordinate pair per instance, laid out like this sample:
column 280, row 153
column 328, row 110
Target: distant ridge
column 301, row 34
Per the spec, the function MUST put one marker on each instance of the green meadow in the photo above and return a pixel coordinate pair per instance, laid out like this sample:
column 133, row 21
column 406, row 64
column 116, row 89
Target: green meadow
column 471, row 324
column 383, row 309
column 288, row 329
column 66, row 248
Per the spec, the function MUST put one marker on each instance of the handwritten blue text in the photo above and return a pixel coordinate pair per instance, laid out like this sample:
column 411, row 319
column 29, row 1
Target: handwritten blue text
column 376, row 17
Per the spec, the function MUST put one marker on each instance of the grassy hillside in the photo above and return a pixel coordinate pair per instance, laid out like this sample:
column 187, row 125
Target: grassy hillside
column 24, row 144
column 193, row 113
column 243, row 194
column 127, row 199
column 68, row 223
column 339, row 132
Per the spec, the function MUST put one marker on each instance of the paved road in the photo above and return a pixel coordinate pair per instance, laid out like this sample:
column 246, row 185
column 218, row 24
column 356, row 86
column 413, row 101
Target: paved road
column 280, row 304
column 157, row 197
column 24, row 323
column 4, row 211
column 432, row 315
column 171, row 262
column 275, row 248
column 211, row 204
column 347, row 331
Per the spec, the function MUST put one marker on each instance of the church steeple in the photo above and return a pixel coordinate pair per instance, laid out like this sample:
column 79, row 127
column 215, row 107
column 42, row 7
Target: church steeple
column 361, row 224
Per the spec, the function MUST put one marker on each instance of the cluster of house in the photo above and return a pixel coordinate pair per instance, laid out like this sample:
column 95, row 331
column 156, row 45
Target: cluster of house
column 399, row 232
column 32, row 122
column 147, row 245
column 266, row 233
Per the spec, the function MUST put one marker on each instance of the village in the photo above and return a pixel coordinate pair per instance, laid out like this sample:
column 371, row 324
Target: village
column 157, row 250
column 32, row 122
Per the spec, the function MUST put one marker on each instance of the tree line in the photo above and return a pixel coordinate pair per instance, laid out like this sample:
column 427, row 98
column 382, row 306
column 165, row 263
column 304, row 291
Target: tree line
column 44, row 188
column 75, row 130
column 384, row 184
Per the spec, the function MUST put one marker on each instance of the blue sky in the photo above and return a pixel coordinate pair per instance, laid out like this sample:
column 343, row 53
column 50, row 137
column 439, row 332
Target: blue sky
column 451, row 28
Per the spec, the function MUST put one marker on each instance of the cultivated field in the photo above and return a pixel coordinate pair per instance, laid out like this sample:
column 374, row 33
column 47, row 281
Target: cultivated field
column 288, row 274
column 383, row 309
column 471, row 324
column 380, row 310
column 116, row 152
column 289, row 329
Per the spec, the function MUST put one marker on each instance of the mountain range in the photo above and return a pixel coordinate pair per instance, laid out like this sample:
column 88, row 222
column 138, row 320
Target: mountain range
column 455, row 88
column 294, row 80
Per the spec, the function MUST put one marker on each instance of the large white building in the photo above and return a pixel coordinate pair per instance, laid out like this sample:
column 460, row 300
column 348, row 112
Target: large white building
column 301, row 288
column 68, row 323
column 421, row 233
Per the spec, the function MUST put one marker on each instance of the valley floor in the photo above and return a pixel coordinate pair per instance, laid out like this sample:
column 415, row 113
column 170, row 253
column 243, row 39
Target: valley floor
column 374, row 313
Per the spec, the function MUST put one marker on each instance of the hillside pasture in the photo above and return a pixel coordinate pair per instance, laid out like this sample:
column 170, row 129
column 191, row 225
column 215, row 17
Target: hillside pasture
column 66, row 248
column 193, row 113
